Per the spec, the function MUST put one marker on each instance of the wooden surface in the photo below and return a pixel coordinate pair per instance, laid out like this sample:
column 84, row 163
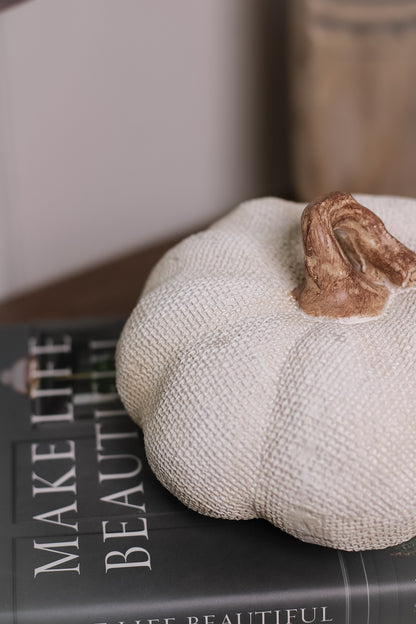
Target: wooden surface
column 110, row 289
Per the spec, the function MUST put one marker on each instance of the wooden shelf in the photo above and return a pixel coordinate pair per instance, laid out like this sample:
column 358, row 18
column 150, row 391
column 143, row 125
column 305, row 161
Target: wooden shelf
column 110, row 289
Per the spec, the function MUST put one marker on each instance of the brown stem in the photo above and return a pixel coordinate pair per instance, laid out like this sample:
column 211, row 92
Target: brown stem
column 349, row 257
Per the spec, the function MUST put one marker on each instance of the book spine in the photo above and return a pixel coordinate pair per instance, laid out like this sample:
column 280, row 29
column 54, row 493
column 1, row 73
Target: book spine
column 213, row 614
column 300, row 615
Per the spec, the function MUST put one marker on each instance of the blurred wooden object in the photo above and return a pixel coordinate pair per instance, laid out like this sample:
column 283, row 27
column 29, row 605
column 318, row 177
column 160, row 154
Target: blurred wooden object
column 110, row 289
column 353, row 96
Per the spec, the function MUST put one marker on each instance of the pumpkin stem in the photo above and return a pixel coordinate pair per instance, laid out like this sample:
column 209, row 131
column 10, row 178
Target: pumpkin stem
column 350, row 258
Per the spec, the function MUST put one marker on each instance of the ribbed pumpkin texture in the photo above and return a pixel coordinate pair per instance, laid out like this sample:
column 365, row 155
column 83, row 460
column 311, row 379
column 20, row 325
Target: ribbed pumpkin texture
column 252, row 408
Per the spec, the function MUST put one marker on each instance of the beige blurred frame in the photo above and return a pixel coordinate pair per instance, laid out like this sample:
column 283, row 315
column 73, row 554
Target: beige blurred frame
column 353, row 96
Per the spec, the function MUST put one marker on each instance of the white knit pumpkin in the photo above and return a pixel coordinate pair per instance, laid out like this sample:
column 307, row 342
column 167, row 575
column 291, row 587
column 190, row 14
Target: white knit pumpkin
column 252, row 408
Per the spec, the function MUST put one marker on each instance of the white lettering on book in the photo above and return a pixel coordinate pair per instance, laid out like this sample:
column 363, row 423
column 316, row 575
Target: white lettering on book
column 56, row 566
column 49, row 516
column 142, row 532
column 123, row 475
column 311, row 615
column 122, row 497
column 55, row 479
column 54, row 475
column 52, row 452
column 304, row 615
column 134, row 554
column 56, row 486
column 37, row 419
column 47, row 458
column 142, row 559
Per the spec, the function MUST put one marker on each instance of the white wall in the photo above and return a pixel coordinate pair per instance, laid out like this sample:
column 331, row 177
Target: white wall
column 122, row 122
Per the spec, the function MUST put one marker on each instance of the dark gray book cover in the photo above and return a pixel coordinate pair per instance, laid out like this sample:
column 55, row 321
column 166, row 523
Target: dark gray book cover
column 88, row 536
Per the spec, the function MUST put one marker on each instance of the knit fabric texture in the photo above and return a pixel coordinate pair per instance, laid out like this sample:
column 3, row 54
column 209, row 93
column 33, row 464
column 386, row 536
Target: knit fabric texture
column 251, row 408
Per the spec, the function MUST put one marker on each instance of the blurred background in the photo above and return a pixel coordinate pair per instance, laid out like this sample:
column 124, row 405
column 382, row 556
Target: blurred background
column 128, row 122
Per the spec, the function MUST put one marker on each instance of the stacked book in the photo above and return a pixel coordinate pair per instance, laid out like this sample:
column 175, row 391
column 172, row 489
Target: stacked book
column 88, row 536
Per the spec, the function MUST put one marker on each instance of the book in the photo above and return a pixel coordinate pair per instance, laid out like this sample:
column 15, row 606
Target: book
column 88, row 535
